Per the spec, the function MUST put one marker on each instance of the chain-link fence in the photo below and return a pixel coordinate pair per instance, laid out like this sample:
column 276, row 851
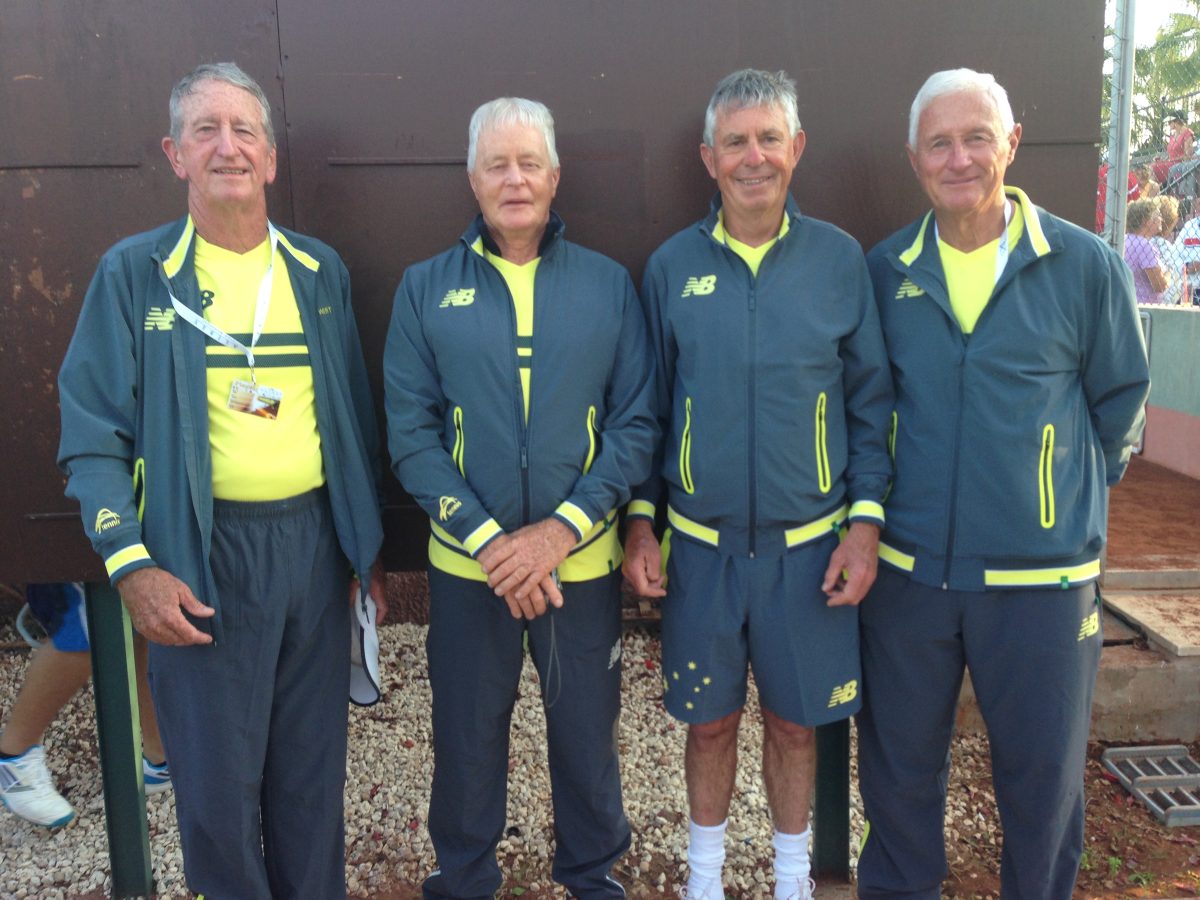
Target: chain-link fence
column 1151, row 119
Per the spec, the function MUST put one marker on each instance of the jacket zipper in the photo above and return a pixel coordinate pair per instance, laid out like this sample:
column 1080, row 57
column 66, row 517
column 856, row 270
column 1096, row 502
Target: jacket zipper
column 751, row 420
column 953, row 514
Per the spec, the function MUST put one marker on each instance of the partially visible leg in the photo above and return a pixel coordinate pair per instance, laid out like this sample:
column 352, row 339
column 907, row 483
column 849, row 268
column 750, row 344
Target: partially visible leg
column 52, row 678
column 152, row 746
column 912, row 672
column 304, row 775
column 789, row 773
column 577, row 650
column 705, row 656
column 475, row 655
column 1033, row 657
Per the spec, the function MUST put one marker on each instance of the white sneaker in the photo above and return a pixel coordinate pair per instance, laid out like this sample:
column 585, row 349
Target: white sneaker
column 156, row 779
column 27, row 789
column 801, row 890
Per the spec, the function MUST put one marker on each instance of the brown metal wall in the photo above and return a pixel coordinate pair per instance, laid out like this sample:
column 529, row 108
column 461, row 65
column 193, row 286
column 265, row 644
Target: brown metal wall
column 372, row 99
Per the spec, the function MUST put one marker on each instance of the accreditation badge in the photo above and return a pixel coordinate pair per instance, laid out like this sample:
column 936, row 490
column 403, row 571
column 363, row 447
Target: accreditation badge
column 255, row 399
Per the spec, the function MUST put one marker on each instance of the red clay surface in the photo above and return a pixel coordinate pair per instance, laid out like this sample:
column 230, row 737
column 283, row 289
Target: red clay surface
column 1154, row 519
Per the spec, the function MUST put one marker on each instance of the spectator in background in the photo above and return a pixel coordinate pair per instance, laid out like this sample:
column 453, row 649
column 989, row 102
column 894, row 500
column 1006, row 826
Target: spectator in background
column 1164, row 244
column 1133, row 191
column 1143, row 219
column 1146, row 185
column 1187, row 251
column 1181, row 157
column 60, row 669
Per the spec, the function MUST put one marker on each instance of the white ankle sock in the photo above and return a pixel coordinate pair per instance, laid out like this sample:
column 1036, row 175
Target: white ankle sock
column 706, row 857
column 791, row 862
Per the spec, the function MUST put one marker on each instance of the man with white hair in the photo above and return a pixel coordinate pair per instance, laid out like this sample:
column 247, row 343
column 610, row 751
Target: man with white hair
column 774, row 395
column 1020, row 380
column 219, row 434
column 519, row 386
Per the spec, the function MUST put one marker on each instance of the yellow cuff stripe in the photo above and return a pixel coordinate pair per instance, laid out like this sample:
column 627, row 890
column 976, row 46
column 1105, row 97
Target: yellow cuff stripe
column 124, row 557
column 576, row 516
column 481, row 535
column 1052, row 577
column 640, row 508
column 866, row 508
column 900, row 560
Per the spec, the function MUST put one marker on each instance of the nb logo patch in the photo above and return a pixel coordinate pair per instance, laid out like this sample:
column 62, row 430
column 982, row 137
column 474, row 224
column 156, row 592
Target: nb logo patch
column 843, row 693
column 448, row 506
column 908, row 289
column 159, row 319
column 106, row 519
column 705, row 284
column 206, row 299
column 324, row 310
column 1089, row 626
column 460, row 297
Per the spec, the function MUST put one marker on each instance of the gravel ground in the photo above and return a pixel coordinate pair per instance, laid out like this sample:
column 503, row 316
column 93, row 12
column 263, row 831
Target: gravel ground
column 387, row 794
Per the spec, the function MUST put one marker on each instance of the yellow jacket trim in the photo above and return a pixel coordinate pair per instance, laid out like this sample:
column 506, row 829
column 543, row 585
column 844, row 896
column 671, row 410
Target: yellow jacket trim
column 460, row 442
column 692, row 529
column 139, row 486
column 577, row 517
column 1052, row 577
column 1033, row 225
column 174, row 261
column 868, row 509
column 641, row 508
column 909, row 255
column 824, row 482
column 309, row 262
column 591, row 433
column 477, row 538
column 124, row 557
column 685, row 449
column 1046, row 478
column 898, row 559
column 793, row 537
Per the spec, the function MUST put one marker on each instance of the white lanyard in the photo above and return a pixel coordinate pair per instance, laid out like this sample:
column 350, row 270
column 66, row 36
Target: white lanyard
column 260, row 312
column 1001, row 248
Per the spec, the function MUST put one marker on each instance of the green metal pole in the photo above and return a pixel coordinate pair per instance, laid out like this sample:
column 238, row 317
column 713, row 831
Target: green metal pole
column 119, row 732
column 831, row 850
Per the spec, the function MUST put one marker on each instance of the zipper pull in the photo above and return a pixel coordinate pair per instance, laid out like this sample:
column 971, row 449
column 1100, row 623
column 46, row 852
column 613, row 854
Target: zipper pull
column 524, row 457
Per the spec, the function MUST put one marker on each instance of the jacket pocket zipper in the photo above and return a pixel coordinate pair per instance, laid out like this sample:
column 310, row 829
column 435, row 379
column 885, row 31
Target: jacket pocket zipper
column 685, row 449
column 1046, row 478
column 823, row 480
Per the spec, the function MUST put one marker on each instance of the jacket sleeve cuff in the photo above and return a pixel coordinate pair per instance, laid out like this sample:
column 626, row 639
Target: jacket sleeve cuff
column 640, row 509
column 574, row 518
column 126, row 560
column 481, row 536
column 867, row 511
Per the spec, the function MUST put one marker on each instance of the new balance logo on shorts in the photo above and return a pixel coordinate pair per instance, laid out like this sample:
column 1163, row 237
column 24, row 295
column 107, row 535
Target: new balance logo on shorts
column 1089, row 626
column 705, row 284
column 843, row 693
column 459, row 297
column 908, row 289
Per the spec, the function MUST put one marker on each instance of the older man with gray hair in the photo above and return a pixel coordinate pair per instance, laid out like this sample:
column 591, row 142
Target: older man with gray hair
column 1020, row 378
column 519, row 388
column 774, row 394
column 216, row 424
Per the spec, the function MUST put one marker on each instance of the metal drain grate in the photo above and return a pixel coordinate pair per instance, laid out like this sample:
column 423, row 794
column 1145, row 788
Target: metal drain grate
column 1166, row 779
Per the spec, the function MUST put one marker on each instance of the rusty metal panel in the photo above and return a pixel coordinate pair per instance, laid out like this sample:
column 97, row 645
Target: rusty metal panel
column 378, row 94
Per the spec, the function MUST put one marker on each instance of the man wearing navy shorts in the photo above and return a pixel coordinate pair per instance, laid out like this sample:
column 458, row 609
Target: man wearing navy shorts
column 774, row 396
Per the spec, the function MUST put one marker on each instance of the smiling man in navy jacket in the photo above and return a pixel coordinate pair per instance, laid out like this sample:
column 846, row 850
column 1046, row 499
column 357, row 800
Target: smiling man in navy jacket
column 519, row 386
column 774, row 394
column 1020, row 378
